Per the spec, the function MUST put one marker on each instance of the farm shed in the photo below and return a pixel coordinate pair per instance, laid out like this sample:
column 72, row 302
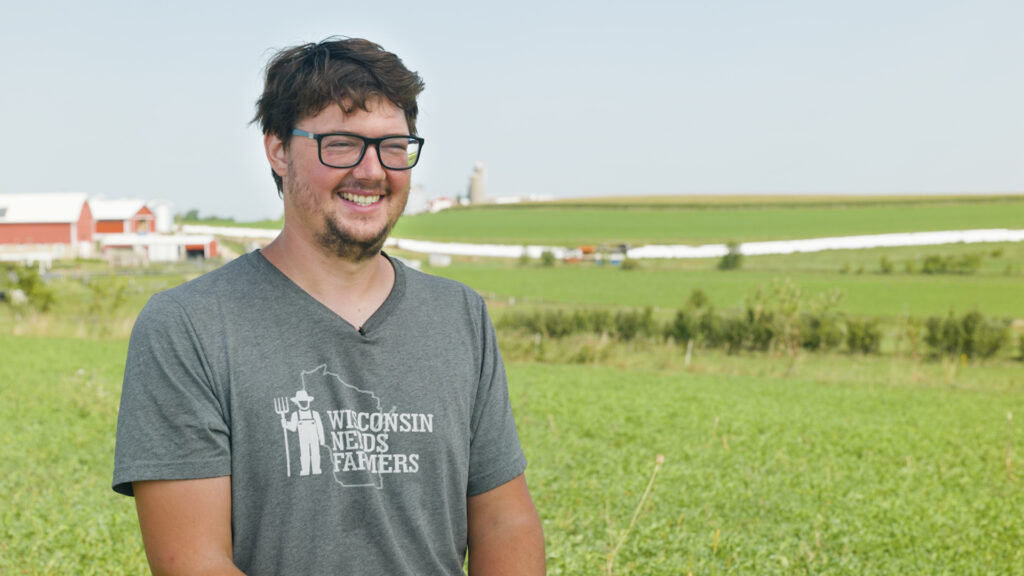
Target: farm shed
column 125, row 216
column 56, row 225
column 141, row 249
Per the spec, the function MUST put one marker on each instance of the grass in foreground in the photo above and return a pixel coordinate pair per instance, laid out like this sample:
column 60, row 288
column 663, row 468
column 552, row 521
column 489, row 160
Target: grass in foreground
column 770, row 476
column 858, row 465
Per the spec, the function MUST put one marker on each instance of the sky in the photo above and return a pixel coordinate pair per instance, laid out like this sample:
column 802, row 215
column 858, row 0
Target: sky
column 563, row 99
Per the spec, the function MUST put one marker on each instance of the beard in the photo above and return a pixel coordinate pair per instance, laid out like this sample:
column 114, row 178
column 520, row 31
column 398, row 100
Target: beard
column 332, row 237
column 340, row 243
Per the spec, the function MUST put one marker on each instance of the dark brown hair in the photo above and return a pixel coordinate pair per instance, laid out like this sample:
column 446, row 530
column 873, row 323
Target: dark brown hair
column 351, row 72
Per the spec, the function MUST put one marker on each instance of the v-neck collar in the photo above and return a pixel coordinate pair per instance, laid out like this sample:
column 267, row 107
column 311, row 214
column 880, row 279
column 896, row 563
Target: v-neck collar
column 379, row 316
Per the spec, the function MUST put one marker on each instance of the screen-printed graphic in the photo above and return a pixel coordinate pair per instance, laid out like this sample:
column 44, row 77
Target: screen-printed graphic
column 347, row 430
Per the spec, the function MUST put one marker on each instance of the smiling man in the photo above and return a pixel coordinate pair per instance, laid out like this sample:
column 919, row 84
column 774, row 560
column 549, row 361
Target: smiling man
column 317, row 407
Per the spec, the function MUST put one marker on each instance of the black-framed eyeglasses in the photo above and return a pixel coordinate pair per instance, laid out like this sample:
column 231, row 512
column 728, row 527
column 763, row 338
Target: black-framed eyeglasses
column 344, row 150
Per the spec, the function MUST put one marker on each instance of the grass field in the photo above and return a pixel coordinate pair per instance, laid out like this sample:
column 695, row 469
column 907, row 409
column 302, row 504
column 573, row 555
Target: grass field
column 859, row 466
column 707, row 223
column 771, row 476
column 667, row 284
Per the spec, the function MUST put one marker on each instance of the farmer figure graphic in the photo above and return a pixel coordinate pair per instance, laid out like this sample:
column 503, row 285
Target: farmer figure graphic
column 311, row 432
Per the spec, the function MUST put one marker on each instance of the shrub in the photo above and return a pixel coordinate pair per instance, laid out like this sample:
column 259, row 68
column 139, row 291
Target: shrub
column 971, row 335
column 939, row 264
column 710, row 329
column 732, row 259
column 630, row 324
column 684, row 327
column 755, row 329
column 593, row 321
column 698, row 299
column 629, row 264
column 820, row 331
column 733, row 334
column 547, row 258
column 863, row 336
column 885, row 266
column 39, row 295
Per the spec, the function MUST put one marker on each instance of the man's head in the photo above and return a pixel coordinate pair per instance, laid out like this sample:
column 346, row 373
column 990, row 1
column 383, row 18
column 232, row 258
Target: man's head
column 353, row 73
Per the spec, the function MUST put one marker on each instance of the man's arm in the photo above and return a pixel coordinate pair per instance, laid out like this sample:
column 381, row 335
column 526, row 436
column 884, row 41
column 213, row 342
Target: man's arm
column 186, row 525
column 505, row 533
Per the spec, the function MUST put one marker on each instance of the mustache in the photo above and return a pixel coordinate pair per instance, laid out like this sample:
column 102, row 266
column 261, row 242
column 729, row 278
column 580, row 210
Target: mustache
column 354, row 185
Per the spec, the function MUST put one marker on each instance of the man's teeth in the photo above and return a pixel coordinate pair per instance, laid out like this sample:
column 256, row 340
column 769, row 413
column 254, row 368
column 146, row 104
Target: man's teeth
column 360, row 199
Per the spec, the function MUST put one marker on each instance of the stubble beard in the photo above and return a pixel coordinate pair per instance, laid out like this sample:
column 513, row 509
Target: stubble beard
column 342, row 244
column 336, row 241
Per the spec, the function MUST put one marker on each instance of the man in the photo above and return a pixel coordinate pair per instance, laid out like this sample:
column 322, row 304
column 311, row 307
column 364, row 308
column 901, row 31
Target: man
column 421, row 458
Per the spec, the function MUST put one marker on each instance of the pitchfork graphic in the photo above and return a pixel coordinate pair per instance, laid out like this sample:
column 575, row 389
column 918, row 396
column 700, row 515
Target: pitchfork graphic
column 281, row 407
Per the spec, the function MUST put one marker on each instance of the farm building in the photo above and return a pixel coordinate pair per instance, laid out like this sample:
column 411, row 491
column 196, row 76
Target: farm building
column 43, row 227
column 125, row 216
column 141, row 249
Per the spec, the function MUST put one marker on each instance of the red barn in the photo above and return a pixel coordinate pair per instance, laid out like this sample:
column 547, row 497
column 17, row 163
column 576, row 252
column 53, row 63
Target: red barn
column 60, row 225
column 122, row 216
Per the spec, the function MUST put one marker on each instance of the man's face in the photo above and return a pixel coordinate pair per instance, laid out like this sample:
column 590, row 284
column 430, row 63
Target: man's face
column 347, row 212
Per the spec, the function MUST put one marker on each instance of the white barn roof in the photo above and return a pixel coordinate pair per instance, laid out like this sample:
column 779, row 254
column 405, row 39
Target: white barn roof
column 60, row 208
column 103, row 209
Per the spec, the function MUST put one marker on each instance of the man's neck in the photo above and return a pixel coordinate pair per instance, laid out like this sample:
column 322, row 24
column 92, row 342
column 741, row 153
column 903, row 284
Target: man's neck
column 353, row 290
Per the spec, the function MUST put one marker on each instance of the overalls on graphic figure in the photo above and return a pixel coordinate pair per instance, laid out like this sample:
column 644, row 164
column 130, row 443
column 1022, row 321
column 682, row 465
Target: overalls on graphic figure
column 311, row 432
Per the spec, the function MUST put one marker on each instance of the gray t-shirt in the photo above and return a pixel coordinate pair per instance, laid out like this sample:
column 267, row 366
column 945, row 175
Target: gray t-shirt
column 350, row 451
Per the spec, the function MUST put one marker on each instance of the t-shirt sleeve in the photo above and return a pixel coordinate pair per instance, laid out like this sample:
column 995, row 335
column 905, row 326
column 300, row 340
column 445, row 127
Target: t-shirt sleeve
column 496, row 456
column 171, row 424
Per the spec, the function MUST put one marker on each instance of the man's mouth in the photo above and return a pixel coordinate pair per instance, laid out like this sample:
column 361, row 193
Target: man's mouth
column 361, row 199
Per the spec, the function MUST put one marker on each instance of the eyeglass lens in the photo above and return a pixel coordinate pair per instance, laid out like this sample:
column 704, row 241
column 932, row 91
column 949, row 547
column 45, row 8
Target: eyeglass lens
column 342, row 151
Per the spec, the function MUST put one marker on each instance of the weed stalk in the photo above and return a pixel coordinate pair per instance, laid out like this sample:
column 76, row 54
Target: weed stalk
column 658, row 461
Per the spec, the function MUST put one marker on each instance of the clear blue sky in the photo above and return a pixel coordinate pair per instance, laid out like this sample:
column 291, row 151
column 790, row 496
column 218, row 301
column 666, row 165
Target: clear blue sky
column 152, row 100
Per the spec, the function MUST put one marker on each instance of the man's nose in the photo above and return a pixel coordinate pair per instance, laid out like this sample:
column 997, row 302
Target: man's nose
column 370, row 168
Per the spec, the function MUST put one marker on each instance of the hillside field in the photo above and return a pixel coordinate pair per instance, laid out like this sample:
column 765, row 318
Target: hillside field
column 687, row 222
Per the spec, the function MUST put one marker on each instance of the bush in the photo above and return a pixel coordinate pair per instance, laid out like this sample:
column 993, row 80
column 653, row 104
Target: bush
column 939, row 264
column 820, row 331
column 709, row 328
column 885, row 266
column 732, row 259
column 39, row 295
column 698, row 299
column 753, row 330
column 629, row 264
column 972, row 335
column 630, row 324
column 863, row 336
column 547, row 258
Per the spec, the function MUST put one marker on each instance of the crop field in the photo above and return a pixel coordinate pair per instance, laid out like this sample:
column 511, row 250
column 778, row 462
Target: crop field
column 667, row 284
column 855, row 469
column 683, row 223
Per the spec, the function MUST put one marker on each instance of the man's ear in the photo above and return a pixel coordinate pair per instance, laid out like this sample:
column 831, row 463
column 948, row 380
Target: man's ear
column 277, row 154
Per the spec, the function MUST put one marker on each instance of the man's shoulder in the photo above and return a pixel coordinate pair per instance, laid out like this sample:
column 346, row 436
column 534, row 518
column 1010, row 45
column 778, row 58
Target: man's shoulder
column 224, row 284
column 423, row 285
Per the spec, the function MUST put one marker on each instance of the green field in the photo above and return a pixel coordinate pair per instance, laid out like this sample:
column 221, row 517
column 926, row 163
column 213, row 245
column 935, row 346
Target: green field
column 846, row 464
column 687, row 223
column 667, row 284
column 860, row 466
